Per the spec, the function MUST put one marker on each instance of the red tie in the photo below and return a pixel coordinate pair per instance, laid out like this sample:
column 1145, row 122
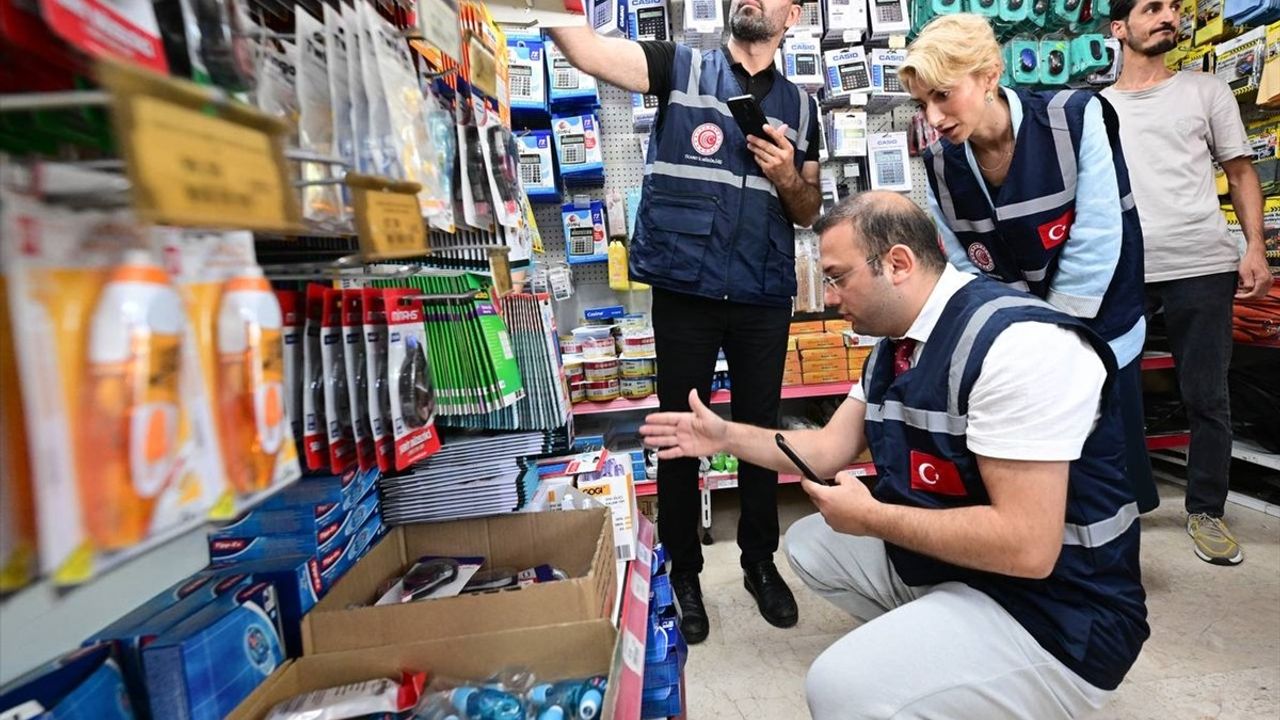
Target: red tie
column 902, row 350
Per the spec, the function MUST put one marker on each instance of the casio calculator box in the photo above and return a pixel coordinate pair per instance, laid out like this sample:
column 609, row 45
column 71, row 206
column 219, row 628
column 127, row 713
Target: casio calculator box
column 579, row 542
column 233, row 544
column 347, row 489
column 888, row 17
column 648, row 20
column 890, row 163
column 537, row 166
column 847, row 72
column 608, row 17
column 802, row 61
column 810, row 22
column 85, row 684
column 846, row 20
column 203, row 667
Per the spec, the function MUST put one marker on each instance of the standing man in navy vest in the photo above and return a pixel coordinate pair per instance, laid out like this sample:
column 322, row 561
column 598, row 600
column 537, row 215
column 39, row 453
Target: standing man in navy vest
column 1177, row 125
column 714, row 237
column 995, row 562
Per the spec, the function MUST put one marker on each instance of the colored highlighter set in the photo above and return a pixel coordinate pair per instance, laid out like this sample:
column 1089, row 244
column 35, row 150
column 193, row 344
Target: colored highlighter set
column 149, row 391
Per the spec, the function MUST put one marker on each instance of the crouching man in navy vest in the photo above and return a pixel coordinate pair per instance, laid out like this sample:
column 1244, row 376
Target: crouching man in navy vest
column 714, row 238
column 995, row 560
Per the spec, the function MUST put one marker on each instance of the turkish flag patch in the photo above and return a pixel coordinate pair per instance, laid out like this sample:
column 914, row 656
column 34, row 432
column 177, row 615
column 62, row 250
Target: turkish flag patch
column 1054, row 232
column 935, row 475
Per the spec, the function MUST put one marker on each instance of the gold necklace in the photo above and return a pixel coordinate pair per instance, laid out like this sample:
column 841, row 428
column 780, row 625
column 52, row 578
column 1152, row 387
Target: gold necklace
column 1007, row 156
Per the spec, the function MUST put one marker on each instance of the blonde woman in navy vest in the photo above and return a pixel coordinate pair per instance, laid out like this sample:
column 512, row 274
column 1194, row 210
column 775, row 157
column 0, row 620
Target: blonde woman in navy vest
column 1030, row 188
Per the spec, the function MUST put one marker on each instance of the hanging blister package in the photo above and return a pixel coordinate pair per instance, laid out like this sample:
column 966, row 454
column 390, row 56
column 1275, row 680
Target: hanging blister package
column 321, row 203
column 361, row 137
column 537, row 166
column 277, row 90
column 578, row 149
column 386, row 161
column 315, row 442
column 377, row 392
column 527, row 76
column 357, row 377
column 584, row 231
column 412, row 396
column 293, row 309
column 444, row 143
column 570, row 87
column 477, row 208
column 113, row 344
column 501, row 159
column 339, row 87
column 406, row 108
column 337, row 401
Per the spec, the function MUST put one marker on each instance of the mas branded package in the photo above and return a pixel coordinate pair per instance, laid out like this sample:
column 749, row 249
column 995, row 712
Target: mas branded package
column 412, row 395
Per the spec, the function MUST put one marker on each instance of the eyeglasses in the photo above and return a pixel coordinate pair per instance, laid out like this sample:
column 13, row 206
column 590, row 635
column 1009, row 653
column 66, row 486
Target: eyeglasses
column 837, row 282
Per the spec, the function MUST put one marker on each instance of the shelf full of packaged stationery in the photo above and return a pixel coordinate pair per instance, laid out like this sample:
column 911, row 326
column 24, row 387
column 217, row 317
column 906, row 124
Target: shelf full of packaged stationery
column 719, row 397
column 724, row 481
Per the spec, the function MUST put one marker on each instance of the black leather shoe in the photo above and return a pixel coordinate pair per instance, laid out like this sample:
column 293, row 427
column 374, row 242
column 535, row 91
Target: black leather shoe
column 772, row 595
column 693, row 614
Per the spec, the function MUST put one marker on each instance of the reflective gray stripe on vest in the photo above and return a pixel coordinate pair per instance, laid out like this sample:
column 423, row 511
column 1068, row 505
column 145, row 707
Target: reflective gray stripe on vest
column 947, row 205
column 960, row 356
column 763, row 184
column 1036, row 275
column 934, row 421
column 695, row 72
column 1127, row 203
column 871, row 368
column 693, row 172
column 802, row 133
column 1102, row 532
column 698, row 102
column 1066, row 153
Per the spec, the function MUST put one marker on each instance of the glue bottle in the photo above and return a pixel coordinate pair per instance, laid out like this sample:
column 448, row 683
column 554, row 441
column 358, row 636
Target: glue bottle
column 133, row 416
column 618, row 277
column 569, row 699
column 250, row 380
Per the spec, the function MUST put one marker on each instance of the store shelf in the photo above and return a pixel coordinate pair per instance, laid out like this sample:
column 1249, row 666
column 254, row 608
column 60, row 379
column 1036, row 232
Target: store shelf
column 624, row 697
column 1157, row 360
column 1167, row 441
column 723, row 481
column 1251, row 452
column 719, row 397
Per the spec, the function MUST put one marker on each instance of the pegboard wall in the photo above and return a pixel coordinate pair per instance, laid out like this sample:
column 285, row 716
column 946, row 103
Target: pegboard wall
column 624, row 170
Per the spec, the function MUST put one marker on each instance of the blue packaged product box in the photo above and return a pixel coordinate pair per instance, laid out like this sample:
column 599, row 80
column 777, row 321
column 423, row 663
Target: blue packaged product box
column 584, row 233
column 128, row 636
column 347, row 490
column 537, row 166
column 337, row 562
column 578, row 148
column 205, row 666
column 569, row 86
column 229, row 546
column 527, row 74
column 82, row 685
column 299, row 586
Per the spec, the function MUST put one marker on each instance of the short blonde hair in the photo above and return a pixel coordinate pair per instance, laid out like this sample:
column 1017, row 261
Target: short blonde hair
column 948, row 48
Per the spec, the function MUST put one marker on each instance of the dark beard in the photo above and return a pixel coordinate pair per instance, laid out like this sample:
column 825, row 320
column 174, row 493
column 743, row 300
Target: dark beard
column 1157, row 47
column 751, row 28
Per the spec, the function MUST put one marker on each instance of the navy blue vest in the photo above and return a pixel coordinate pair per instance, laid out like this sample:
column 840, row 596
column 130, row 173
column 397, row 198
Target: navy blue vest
column 710, row 223
column 1021, row 239
column 1090, row 612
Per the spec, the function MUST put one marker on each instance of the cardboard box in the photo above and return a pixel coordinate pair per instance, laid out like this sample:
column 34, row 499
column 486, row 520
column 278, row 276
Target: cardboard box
column 580, row 542
column 820, row 378
column 792, row 378
column 552, row 652
column 825, row 366
column 837, row 326
column 806, row 328
column 821, row 340
column 821, row 354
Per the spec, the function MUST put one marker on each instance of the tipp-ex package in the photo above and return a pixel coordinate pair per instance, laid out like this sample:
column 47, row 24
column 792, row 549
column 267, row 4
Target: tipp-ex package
column 409, row 379
column 299, row 585
column 347, row 490
column 232, row 545
column 82, row 685
column 203, row 667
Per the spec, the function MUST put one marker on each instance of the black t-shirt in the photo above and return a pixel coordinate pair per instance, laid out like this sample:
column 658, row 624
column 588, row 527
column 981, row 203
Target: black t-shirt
column 661, row 57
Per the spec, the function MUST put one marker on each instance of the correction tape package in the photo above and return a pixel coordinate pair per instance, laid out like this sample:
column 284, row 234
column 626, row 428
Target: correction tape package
column 205, row 665
column 412, row 396
column 83, row 685
column 299, row 586
column 337, row 401
column 315, row 426
column 278, row 535
column 377, row 397
column 357, row 375
column 347, row 490
column 578, row 149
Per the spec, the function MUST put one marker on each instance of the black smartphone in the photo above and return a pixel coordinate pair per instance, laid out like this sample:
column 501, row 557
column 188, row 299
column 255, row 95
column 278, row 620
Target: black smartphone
column 790, row 452
column 750, row 117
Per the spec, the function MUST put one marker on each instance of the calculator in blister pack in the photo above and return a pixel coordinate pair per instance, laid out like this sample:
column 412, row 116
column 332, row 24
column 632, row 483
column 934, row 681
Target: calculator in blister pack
column 573, row 149
column 889, row 169
column 563, row 75
column 530, row 168
column 651, row 24
column 704, row 9
column 887, row 11
column 891, row 82
column 582, row 240
column 810, row 15
column 521, row 82
column 806, row 65
column 854, row 77
column 650, row 101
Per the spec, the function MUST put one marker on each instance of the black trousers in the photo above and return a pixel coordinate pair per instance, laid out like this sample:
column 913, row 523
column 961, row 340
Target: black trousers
column 689, row 332
column 1197, row 314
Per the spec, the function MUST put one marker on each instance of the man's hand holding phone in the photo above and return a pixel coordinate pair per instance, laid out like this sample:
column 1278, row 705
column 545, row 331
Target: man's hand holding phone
column 697, row 433
column 775, row 155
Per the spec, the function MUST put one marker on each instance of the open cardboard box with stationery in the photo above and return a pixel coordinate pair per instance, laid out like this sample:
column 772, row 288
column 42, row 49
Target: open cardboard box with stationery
column 552, row 652
column 579, row 542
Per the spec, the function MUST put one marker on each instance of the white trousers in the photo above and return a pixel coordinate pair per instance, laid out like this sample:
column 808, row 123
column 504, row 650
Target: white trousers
column 939, row 652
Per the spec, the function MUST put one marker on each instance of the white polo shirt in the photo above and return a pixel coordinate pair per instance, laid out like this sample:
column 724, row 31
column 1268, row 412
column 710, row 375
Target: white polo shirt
column 1038, row 393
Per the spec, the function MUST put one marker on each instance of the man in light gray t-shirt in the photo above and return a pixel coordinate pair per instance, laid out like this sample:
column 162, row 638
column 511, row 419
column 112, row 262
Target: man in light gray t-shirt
column 1172, row 127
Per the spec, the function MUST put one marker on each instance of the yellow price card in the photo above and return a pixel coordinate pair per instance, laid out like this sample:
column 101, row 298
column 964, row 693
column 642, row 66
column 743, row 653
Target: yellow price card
column 388, row 218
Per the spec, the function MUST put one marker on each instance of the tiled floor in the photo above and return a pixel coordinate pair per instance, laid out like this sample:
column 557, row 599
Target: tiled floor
column 1214, row 650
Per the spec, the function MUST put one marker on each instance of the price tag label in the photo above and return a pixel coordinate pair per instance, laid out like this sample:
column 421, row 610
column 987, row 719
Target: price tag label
column 632, row 652
column 198, row 158
column 388, row 219
column 500, row 266
column 640, row 587
column 897, row 42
